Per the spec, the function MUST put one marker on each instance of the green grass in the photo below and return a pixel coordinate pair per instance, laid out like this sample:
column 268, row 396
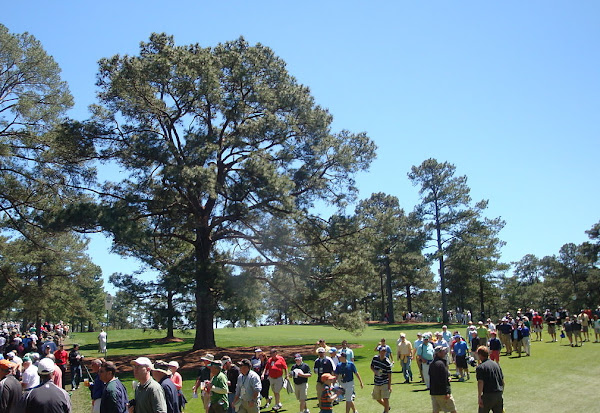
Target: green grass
column 555, row 378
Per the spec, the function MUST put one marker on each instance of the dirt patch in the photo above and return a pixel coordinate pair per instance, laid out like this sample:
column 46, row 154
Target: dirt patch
column 190, row 360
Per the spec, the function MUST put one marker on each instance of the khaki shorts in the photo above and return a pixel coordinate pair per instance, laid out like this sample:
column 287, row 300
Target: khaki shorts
column 381, row 392
column 441, row 403
column 276, row 384
column 301, row 391
column 348, row 389
column 248, row 407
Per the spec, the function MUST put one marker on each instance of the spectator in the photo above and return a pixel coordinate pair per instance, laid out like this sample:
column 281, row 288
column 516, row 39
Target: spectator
column 425, row 354
column 61, row 361
column 388, row 349
column 490, row 383
column 347, row 350
column 47, row 397
column 247, row 391
column 10, row 388
column 327, row 397
column 114, row 398
column 441, row 395
column 381, row 367
column 232, row 372
column 149, row 396
column 300, row 372
column 405, row 353
column 102, row 339
column 203, row 378
column 97, row 387
column 178, row 382
column 276, row 368
column 495, row 346
column 75, row 360
column 460, row 351
column 217, row 388
column 345, row 372
column 30, row 377
column 322, row 365
column 416, row 346
column 57, row 377
column 161, row 373
column 259, row 363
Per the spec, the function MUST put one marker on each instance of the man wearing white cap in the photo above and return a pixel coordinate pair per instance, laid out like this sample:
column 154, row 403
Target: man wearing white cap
column 300, row 372
column 149, row 396
column 425, row 354
column 203, row 378
column 404, row 353
column 323, row 364
column 381, row 367
column 47, row 397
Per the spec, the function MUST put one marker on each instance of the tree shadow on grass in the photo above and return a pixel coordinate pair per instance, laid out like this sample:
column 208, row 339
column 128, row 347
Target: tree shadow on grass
column 147, row 343
column 406, row 326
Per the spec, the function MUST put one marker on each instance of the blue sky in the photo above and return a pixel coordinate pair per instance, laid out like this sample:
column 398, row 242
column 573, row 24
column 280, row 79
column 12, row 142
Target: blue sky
column 507, row 91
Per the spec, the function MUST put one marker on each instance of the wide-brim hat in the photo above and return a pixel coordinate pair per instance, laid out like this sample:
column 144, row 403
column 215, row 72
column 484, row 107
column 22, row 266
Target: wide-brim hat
column 162, row 367
column 208, row 357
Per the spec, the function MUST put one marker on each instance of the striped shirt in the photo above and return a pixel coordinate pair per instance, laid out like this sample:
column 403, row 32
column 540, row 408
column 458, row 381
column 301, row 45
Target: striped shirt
column 326, row 403
column 383, row 369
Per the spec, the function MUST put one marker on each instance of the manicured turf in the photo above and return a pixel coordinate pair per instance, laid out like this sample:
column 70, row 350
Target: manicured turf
column 556, row 378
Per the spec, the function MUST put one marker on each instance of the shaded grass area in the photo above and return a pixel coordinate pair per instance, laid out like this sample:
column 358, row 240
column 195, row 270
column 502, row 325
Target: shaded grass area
column 555, row 378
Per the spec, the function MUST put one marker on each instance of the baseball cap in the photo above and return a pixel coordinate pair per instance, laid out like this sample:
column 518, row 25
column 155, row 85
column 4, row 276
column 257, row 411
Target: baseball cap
column 332, row 350
column 142, row 361
column 173, row 364
column 439, row 349
column 320, row 350
column 245, row 362
column 327, row 376
column 343, row 354
column 5, row 364
column 45, row 367
column 298, row 356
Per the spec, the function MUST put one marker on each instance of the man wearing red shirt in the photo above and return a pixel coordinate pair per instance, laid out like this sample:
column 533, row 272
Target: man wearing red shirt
column 61, row 361
column 277, row 370
column 538, row 326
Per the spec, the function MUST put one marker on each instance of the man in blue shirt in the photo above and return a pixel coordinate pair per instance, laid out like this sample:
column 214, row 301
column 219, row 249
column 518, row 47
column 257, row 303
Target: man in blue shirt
column 345, row 372
column 97, row 387
column 425, row 354
column 460, row 351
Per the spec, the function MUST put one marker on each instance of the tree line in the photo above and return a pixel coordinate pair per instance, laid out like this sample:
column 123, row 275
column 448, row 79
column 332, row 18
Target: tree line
column 221, row 159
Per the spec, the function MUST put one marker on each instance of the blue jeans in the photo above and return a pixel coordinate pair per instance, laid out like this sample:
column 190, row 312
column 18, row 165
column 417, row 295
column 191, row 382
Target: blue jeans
column 406, row 369
column 75, row 376
column 231, row 396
